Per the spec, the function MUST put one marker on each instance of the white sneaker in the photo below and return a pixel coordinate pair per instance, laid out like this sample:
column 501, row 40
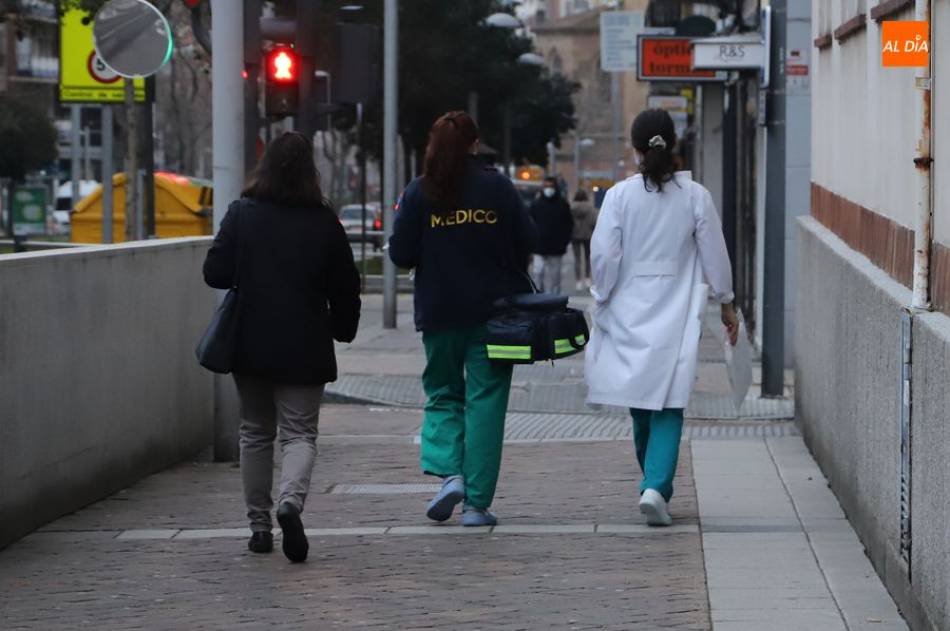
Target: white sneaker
column 653, row 506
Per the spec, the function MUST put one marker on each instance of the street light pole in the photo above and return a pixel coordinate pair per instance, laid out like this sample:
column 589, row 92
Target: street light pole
column 390, row 104
column 227, row 104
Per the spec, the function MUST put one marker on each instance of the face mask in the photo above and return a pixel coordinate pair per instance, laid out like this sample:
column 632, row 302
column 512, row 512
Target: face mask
column 548, row 191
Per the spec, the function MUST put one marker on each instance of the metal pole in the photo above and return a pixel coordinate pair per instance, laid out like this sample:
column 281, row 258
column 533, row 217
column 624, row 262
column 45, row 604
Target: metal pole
column 252, row 121
column 227, row 100
column 616, row 125
column 108, row 168
column 390, row 103
column 75, row 141
column 730, row 156
column 148, row 158
column 698, row 155
column 773, row 303
column 131, row 164
column 923, row 228
column 86, row 154
column 360, row 131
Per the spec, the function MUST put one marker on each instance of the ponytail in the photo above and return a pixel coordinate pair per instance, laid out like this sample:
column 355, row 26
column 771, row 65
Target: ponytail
column 654, row 136
column 446, row 156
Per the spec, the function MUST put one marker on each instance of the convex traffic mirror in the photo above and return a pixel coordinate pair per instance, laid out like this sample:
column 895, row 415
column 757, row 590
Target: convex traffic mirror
column 132, row 37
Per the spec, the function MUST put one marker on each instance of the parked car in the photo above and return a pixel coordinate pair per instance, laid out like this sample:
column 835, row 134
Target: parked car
column 351, row 217
column 62, row 220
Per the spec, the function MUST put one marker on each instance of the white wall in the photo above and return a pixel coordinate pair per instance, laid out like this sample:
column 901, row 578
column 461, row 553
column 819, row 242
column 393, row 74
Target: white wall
column 98, row 380
column 864, row 133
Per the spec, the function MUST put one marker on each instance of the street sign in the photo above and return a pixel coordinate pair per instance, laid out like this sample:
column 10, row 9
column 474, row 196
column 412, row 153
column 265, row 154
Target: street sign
column 729, row 53
column 666, row 58
column 132, row 38
column 29, row 210
column 618, row 40
column 83, row 77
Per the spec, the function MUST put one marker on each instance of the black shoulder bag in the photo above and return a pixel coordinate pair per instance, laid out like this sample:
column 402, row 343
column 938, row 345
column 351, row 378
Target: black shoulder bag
column 530, row 327
column 218, row 345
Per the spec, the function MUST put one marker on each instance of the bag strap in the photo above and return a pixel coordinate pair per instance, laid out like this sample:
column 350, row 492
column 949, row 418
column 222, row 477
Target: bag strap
column 509, row 250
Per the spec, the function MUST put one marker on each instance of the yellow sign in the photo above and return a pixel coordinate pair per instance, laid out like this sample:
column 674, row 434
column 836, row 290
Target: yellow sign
column 83, row 78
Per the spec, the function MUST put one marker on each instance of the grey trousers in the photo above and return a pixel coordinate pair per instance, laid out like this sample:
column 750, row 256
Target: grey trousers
column 266, row 409
column 547, row 273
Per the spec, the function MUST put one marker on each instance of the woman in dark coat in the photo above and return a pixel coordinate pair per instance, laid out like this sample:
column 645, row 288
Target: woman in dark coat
column 298, row 290
column 462, row 226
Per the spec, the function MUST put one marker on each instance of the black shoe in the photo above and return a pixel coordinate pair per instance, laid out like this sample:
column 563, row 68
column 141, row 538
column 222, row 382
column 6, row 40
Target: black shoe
column 261, row 541
column 295, row 541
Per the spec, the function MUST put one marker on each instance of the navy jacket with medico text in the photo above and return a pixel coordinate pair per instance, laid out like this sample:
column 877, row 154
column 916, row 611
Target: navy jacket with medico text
column 466, row 256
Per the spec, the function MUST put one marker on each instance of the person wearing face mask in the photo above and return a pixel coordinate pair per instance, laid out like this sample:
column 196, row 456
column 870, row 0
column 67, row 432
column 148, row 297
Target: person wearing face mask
column 552, row 216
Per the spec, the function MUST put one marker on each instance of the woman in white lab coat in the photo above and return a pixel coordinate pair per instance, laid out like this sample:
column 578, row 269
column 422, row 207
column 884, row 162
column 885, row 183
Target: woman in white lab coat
column 656, row 253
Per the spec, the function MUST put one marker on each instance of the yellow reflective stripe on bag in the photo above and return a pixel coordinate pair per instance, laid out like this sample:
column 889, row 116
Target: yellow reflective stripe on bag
column 508, row 352
column 565, row 346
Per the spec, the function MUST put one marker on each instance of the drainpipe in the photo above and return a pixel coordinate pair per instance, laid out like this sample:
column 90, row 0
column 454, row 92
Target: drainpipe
column 923, row 227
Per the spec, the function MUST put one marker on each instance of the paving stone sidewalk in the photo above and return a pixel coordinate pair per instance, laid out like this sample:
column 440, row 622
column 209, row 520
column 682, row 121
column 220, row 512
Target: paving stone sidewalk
column 546, row 567
column 759, row 543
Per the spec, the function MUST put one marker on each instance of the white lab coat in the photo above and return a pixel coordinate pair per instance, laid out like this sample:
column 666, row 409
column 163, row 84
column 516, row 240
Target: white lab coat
column 649, row 255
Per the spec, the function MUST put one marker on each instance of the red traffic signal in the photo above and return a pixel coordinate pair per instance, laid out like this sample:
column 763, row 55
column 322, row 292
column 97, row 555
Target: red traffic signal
column 282, row 65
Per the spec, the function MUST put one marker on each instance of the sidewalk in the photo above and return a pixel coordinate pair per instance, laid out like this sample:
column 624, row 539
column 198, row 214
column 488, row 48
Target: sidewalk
column 758, row 541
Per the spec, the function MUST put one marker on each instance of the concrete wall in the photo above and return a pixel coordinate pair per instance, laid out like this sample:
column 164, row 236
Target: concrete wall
column 98, row 381
column 930, row 562
column 864, row 133
column 941, row 122
column 848, row 398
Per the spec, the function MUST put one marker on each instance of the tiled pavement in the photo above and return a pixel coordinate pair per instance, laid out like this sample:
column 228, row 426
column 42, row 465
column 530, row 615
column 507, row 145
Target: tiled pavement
column 545, row 567
column 757, row 535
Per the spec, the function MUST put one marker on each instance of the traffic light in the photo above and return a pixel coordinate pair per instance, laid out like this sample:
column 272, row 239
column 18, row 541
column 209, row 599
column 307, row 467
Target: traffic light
column 282, row 77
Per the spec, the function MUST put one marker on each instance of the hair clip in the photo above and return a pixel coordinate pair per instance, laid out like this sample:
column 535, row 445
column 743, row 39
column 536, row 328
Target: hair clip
column 657, row 141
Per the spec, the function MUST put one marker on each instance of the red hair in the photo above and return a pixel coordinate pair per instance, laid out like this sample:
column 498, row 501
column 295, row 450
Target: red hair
column 450, row 138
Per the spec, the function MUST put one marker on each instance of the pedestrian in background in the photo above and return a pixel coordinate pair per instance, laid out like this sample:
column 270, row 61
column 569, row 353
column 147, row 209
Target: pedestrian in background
column 657, row 237
column 552, row 215
column 464, row 229
column 298, row 289
column 585, row 218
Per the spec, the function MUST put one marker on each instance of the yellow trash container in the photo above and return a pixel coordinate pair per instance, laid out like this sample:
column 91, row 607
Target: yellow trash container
column 183, row 208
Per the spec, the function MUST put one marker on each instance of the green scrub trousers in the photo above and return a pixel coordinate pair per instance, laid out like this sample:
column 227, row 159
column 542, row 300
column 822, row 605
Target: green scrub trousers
column 463, row 427
column 656, row 435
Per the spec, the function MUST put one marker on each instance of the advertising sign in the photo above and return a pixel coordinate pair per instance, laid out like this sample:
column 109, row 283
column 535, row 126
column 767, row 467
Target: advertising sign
column 665, row 58
column 29, row 210
column 618, row 40
column 729, row 53
column 83, row 77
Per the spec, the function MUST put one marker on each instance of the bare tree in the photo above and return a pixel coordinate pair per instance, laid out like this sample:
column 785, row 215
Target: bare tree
column 184, row 100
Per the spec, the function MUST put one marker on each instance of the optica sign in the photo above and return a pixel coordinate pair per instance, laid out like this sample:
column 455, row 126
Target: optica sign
column 670, row 58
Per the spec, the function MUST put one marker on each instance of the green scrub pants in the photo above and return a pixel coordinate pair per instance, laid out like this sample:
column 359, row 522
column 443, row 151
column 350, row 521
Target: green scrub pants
column 464, row 423
column 656, row 435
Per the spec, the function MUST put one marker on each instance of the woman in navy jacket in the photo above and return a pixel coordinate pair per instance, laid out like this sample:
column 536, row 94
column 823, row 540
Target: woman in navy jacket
column 464, row 229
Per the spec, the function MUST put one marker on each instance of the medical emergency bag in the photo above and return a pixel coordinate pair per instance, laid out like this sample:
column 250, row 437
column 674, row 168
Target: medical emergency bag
column 527, row 328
